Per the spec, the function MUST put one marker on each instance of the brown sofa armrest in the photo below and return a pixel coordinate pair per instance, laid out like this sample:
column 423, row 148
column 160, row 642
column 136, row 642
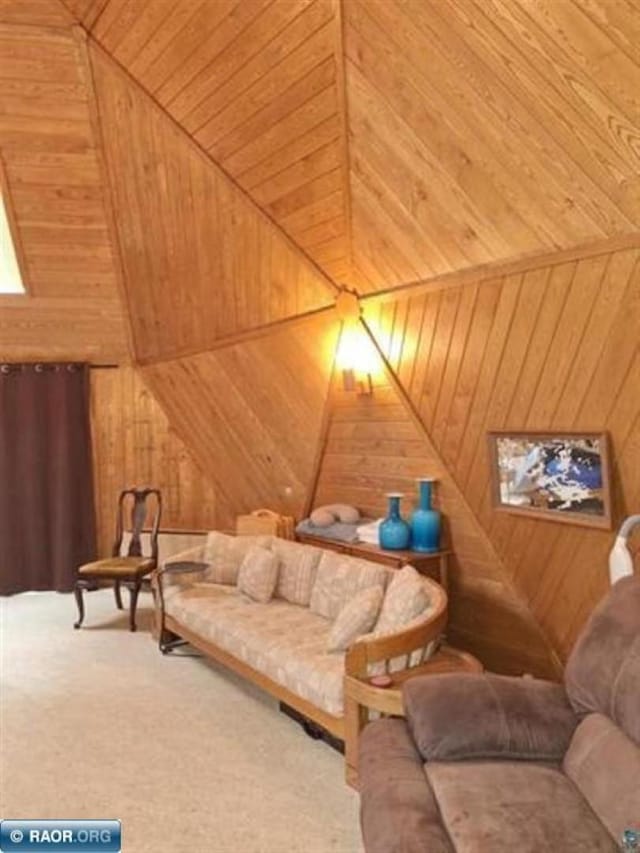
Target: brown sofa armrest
column 398, row 810
column 461, row 716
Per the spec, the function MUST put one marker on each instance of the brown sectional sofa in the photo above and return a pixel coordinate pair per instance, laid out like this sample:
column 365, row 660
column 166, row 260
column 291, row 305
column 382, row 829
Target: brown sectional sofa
column 486, row 763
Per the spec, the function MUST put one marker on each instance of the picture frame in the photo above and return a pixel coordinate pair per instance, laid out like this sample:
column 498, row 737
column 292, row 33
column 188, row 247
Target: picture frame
column 555, row 476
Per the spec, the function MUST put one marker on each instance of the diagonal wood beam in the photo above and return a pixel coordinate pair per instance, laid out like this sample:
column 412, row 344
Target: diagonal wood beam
column 506, row 267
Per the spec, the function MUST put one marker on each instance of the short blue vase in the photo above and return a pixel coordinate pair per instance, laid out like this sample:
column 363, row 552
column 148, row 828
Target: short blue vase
column 425, row 521
column 394, row 532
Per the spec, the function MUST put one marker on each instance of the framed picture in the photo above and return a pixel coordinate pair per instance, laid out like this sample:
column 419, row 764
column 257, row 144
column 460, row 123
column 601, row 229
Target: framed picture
column 557, row 476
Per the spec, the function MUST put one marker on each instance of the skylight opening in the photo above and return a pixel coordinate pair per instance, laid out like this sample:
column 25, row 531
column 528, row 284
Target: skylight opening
column 10, row 278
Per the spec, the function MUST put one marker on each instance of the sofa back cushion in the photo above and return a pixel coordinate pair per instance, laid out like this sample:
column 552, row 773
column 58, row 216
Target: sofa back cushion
column 603, row 671
column 258, row 574
column 605, row 765
column 339, row 578
column 298, row 565
column 225, row 553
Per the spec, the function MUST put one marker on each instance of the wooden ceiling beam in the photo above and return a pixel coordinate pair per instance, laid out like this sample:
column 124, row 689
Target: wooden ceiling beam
column 499, row 269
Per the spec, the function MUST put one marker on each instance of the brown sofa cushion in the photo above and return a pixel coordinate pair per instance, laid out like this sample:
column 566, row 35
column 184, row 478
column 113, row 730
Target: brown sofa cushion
column 605, row 765
column 603, row 671
column 488, row 716
column 398, row 812
column 502, row 806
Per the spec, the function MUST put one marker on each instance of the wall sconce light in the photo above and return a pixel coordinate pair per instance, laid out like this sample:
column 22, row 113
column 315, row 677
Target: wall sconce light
column 354, row 356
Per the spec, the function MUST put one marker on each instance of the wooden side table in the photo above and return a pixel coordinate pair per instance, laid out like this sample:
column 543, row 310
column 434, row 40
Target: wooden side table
column 435, row 565
column 361, row 697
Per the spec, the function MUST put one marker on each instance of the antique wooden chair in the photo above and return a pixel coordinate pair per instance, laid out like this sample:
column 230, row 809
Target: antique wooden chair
column 131, row 568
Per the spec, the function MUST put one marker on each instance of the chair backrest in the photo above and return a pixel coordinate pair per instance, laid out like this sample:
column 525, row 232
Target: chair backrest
column 603, row 670
column 602, row 679
column 133, row 502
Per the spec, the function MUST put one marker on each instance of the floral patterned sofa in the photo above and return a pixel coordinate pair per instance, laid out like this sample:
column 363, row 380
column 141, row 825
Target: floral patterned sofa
column 280, row 638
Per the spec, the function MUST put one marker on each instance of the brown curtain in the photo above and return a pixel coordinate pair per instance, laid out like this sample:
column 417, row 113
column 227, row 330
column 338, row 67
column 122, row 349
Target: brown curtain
column 47, row 520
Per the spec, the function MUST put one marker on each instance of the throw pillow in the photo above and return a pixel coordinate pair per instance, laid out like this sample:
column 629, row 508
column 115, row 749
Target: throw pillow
column 298, row 565
column 258, row 574
column 225, row 554
column 340, row 577
column 405, row 598
column 356, row 618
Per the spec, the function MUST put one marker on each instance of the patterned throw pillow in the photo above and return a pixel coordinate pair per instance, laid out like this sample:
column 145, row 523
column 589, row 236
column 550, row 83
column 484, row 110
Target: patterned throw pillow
column 405, row 598
column 356, row 618
column 258, row 574
column 225, row 553
column 298, row 564
column 339, row 578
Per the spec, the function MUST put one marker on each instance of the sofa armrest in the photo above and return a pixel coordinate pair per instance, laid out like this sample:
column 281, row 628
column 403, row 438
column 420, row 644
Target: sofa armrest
column 420, row 634
column 398, row 810
column 461, row 716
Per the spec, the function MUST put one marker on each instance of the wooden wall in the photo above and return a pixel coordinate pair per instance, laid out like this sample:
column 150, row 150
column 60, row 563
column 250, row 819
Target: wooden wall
column 133, row 444
column 252, row 413
column 190, row 178
column 55, row 193
column 549, row 348
column 374, row 445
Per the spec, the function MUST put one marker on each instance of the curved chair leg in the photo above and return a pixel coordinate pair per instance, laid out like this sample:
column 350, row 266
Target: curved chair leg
column 135, row 589
column 79, row 601
column 116, row 592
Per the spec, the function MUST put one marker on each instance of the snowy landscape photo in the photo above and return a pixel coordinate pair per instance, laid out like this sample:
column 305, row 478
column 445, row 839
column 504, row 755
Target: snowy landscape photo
column 564, row 476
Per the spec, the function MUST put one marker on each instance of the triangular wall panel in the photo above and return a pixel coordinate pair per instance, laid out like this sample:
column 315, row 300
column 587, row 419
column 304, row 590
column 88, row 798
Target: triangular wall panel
column 374, row 446
column 201, row 262
column 252, row 413
column 551, row 349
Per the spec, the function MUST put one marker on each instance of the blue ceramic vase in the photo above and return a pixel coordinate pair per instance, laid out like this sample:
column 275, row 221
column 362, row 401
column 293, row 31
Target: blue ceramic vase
column 425, row 521
column 394, row 532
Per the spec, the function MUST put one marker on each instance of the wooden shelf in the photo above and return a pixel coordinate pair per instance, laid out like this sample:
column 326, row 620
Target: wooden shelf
column 434, row 564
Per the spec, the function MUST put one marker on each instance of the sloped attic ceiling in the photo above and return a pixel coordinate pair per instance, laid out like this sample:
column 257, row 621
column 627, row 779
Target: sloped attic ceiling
column 220, row 169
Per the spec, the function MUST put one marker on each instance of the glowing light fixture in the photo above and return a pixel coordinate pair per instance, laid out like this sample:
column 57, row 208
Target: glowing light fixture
column 355, row 355
column 10, row 278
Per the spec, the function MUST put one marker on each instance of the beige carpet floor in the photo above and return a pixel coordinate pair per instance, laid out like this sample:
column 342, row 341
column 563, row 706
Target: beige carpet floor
column 97, row 723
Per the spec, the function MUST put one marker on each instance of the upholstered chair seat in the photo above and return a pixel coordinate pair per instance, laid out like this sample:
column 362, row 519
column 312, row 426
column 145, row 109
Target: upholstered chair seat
column 112, row 567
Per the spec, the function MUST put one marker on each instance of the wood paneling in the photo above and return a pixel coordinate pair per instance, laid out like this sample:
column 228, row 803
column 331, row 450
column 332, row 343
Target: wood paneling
column 374, row 446
column 201, row 262
column 41, row 327
column 251, row 413
column 40, row 13
column 553, row 348
column 133, row 445
column 487, row 130
column 49, row 151
column 256, row 84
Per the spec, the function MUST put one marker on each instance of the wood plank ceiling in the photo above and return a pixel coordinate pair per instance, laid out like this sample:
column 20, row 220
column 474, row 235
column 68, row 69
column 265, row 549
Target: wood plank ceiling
column 257, row 85
column 257, row 154
column 55, row 192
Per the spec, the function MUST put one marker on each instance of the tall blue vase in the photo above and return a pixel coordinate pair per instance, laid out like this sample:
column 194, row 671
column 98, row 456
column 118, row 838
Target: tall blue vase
column 425, row 521
column 394, row 532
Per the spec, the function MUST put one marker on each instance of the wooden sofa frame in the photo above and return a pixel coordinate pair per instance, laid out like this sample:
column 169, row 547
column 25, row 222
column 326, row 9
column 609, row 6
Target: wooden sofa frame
column 170, row 633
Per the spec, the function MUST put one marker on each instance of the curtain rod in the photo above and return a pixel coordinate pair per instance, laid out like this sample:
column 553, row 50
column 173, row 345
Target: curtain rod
column 104, row 366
